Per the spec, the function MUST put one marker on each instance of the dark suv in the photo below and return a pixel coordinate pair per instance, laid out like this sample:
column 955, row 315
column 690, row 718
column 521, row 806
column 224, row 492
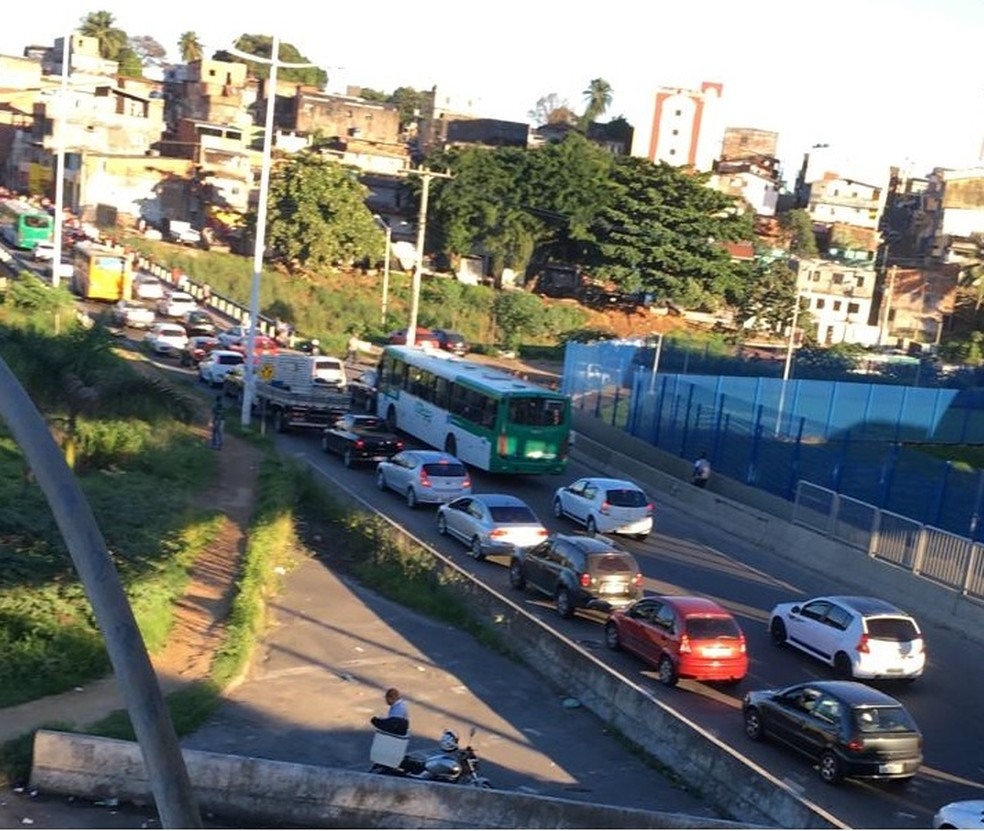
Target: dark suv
column 452, row 342
column 578, row 572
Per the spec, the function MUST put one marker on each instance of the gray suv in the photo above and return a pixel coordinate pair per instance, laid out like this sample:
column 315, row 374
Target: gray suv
column 578, row 572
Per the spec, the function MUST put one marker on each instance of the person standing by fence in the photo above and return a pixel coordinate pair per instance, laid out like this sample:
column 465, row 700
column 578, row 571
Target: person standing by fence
column 702, row 471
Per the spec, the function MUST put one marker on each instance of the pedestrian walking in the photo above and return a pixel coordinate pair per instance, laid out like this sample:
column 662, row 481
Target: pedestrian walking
column 701, row 471
column 397, row 720
column 218, row 422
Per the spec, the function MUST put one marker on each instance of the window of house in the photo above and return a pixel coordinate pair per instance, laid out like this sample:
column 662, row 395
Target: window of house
column 678, row 112
column 853, row 308
column 860, row 282
column 820, row 303
column 675, row 132
column 837, row 305
column 838, row 278
column 672, row 152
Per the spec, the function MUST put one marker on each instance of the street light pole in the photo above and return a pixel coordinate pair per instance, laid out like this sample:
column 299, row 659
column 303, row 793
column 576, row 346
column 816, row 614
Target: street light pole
column 787, row 367
column 659, row 349
column 382, row 223
column 426, row 175
column 249, row 377
column 60, row 166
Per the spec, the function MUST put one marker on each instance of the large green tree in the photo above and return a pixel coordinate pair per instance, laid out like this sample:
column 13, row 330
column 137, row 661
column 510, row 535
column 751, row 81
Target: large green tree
column 317, row 214
column 262, row 47
column 767, row 296
column 102, row 26
column 409, row 102
column 798, row 227
column 662, row 231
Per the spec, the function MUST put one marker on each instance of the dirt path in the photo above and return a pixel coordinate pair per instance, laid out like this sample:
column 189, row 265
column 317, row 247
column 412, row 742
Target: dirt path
column 199, row 615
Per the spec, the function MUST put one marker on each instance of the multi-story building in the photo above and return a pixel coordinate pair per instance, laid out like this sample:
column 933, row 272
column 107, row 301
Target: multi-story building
column 749, row 181
column 342, row 116
column 686, row 128
column 740, row 143
column 838, row 296
column 440, row 107
column 952, row 214
column 917, row 304
column 834, row 199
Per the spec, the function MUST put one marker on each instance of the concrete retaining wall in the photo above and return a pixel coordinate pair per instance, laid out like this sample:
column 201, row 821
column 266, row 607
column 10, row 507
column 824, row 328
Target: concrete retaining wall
column 763, row 519
column 265, row 792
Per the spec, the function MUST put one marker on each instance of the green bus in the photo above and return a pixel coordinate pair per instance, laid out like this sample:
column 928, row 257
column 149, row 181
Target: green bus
column 23, row 225
column 486, row 417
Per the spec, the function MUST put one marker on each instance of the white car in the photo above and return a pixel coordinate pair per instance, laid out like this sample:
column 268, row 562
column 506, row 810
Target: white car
column 132, row 314
column 166, row 338
column 217, row 364
column 424, row 476
column 860, row 637
column 966, row 814
column 606, row 506
column 176, row 304
column 147, row 287
column 44, row 251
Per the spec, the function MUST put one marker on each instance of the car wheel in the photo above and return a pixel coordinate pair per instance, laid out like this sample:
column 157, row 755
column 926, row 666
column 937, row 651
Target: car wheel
column 516, row 577
column 411, row 498
column 451, row 445
column 442, row 525
column 667, row 671
column 830, row 768
column 347, row 458
column 558, row 508
column 842, row 667
column 753, row 725
column 475, row 549
column 612, row 640
column 380, row 480
column 590, row 526
column 324, row 444
column 777, row 631
column 565, row 606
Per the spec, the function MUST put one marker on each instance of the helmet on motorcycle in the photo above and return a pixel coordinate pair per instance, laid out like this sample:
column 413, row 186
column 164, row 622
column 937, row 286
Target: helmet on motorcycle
column 449, row 741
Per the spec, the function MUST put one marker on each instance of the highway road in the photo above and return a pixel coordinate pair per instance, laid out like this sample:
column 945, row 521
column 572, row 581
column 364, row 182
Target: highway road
column 686, row 554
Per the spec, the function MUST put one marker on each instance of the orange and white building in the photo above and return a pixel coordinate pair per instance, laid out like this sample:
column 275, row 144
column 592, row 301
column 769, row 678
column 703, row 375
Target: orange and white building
column 686, row 127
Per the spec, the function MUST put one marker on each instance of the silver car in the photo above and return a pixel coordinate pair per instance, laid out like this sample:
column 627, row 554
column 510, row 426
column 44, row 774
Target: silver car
column 491, row 523
column 424, row 476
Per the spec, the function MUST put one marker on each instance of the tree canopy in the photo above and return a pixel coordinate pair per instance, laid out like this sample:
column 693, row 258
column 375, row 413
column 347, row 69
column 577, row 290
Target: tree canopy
column 102, row 26
column 190, row 47
column 317, row 214
column 598, row 98
column 262, row 47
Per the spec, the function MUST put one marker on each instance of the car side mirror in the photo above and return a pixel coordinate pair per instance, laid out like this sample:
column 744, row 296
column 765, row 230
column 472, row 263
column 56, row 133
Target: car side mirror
column 795, row 610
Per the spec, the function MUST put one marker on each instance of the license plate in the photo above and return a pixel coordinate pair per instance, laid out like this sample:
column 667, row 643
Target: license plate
column 891, row 767
column 612, row 588
column 716, row 651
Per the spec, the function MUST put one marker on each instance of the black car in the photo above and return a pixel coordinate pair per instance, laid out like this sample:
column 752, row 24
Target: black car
column 578, row 572
column 360, row 438
column 848, row 728
column 198, row 323
column 453, row 342
column 362, row 391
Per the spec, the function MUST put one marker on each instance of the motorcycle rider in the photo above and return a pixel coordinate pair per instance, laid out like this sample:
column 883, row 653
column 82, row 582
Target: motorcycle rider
column 397, row 720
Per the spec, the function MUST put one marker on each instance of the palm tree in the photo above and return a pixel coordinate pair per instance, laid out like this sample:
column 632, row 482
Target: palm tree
column 101, row 26
column 190, row 47
column 598, row 97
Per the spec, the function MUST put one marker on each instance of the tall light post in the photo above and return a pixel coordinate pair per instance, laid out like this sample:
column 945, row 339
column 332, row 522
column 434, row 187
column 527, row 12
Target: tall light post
column 788, row 365
column 659, row 349
column 382, row 223
column 249, row 386
column 60, row 165
column 418, row 268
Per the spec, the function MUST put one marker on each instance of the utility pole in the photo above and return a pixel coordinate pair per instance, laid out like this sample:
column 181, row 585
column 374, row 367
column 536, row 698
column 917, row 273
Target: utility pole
column 426, row 175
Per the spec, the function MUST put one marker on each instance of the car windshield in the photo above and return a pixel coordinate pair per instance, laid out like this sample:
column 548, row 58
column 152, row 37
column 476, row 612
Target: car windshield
column 898, row 629
column 625, row 498
column 888, row 719
column 611, row 563
column 444, row 469
column 709, row 628
column 512, row 514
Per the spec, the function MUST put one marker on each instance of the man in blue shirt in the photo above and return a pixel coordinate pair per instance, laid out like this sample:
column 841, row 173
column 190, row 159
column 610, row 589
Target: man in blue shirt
column 397, row 720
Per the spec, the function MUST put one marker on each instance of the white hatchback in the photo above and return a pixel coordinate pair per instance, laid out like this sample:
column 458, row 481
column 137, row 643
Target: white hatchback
column 147, row 287
column 606, row 506
column 860, row 637
column 424, row 476
column 215, row 366
column 176, row 304
column 167, row 338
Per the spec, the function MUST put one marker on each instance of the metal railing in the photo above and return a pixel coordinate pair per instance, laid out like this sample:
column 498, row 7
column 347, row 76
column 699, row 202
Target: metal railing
column 932, row 553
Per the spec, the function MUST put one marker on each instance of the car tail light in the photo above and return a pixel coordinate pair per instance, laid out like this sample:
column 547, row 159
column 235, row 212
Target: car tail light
column 585, row 581
column 741, row 645
column 542, row 533
column 425, row 481
column 503, row 445
column 685, row 645
column 466, row 482
column 855, row 745
column 398, row 445
column 649, row 509
column 498, row 533
column 637, row 580
column 862, row 646
column 606, row 508
column 359, row 443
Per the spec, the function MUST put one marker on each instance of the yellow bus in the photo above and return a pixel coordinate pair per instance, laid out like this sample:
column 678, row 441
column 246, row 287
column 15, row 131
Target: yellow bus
column 101, row 273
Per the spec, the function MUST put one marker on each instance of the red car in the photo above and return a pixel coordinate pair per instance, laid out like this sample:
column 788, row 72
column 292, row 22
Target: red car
column 683, row 637
column 262, row 345
column 424, row 337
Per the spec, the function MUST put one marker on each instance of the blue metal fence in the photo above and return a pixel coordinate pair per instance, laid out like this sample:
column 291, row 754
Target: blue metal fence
column 851, row 437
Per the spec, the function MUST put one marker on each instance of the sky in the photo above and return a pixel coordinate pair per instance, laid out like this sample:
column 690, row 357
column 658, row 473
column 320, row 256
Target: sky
column 883, row 82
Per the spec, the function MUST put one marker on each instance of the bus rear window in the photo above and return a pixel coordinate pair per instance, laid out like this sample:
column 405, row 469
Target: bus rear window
column 536, row 411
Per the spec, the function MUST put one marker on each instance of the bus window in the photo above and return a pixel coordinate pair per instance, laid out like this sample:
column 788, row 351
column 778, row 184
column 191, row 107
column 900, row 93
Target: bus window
column 442, row 390
column 536, row 412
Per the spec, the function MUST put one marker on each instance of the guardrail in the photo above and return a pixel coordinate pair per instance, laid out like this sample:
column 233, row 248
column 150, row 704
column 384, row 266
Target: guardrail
column 931, row 553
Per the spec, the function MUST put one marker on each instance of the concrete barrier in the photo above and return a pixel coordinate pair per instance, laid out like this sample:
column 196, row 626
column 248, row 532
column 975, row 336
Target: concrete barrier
column 266, row 792
column 764, row 520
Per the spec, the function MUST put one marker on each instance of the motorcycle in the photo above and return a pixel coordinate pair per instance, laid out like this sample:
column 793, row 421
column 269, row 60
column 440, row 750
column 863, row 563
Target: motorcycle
column 451, row 763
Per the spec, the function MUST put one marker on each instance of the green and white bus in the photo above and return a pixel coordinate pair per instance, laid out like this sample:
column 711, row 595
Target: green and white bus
column 23, row 226
column 484, row 416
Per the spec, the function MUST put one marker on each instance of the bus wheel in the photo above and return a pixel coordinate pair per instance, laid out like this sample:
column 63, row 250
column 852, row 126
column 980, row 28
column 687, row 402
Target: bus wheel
column 391, row 418
column 451, row 445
